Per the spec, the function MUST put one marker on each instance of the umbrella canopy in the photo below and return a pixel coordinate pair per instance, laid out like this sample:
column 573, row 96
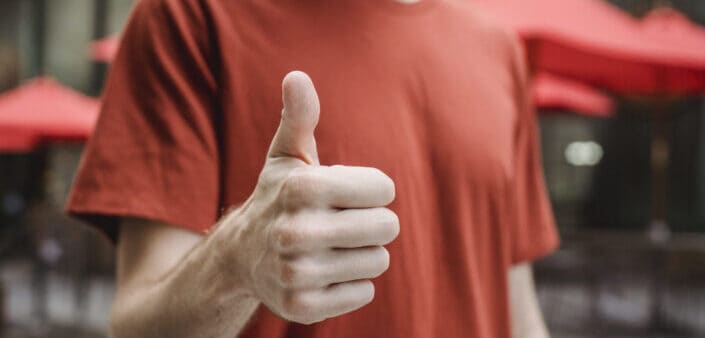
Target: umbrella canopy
column 671, row 26
column 597, row 43
column 104, row 50
column 17, row 141
column 43, row 110
column 552, row 92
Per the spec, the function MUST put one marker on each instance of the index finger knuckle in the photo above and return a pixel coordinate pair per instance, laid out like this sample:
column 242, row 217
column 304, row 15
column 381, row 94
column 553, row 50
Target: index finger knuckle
column 300, row 188
column 289, row 236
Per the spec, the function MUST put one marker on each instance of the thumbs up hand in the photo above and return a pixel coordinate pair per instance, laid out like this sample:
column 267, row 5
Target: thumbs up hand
column 310, row 237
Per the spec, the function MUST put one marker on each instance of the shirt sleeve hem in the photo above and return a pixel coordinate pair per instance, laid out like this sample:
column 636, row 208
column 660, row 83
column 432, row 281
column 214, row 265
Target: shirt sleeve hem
column 106, row 218
column 538, row 251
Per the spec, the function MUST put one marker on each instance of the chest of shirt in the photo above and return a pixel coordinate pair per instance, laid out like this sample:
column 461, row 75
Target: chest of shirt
column 393, row 103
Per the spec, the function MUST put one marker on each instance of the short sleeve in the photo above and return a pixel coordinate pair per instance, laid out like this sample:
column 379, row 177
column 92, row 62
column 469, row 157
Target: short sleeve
column 534, row 233
column 154, row 153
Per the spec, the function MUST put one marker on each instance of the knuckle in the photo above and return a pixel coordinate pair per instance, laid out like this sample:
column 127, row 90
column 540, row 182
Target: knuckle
column 288, row 274
column 299, row 188
column 288, row 237
column 294, row 274
column 298, row 308
column 298, row 233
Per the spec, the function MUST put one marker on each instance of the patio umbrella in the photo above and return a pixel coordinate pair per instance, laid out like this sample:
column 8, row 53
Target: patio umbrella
column 17, row 141
column 552, row 92
column 44, row 110
column 669, row 25
column 597, row 43
column 104, row 50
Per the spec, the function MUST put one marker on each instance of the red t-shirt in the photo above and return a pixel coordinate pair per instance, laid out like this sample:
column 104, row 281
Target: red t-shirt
column 432, row 93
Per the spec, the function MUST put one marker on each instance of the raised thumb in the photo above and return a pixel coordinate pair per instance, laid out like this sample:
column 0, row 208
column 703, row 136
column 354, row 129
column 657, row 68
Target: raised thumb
column 294, row 138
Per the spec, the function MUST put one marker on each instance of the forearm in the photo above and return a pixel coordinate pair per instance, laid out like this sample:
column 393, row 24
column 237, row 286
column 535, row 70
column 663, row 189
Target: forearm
column 527, row 319
column 305, row 244
column 189, row 301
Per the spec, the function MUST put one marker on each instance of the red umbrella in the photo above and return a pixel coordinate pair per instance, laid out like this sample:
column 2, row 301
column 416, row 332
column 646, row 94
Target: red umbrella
column 104, row 50
column 42, row 110
column 599, row 44
column 17, row 141
column 671, row 26
column 553, row 92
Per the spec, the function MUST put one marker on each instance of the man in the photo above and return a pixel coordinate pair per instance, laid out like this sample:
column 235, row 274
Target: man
column 233, row 219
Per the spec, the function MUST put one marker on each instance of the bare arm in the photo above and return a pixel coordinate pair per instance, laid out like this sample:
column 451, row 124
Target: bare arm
column 305, row 244
column 165, row 288
column 527, row 320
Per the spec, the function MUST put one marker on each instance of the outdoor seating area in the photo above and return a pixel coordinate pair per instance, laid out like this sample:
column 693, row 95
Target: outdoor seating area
column 619, row 87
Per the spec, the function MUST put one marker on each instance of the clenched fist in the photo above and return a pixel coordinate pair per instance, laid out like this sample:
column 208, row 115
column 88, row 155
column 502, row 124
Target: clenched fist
column 310, row 237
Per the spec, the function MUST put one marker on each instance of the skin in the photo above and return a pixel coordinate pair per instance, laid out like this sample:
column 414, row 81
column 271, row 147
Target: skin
column 176, row 283
column 305, row 245
column 527, row 319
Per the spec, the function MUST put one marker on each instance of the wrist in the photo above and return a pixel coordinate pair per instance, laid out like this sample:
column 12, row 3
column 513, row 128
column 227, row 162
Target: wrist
column 202, row 295
column 226, row 272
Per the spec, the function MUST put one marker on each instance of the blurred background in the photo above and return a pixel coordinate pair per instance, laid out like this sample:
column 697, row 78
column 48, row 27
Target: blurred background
column 625, row 167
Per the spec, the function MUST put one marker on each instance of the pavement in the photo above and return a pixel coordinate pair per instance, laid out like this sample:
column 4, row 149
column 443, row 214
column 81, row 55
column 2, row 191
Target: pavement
column 79, row 309
column 65, row 308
